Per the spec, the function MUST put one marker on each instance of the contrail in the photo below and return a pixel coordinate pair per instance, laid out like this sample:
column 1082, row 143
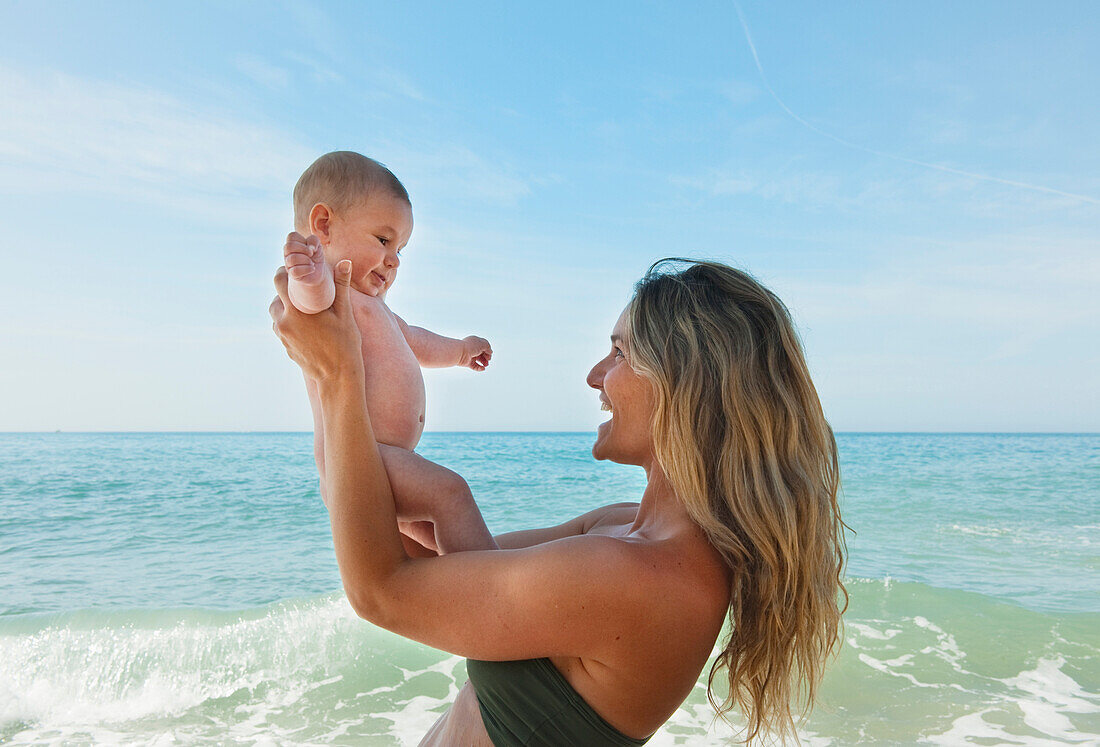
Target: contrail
column 883, row 154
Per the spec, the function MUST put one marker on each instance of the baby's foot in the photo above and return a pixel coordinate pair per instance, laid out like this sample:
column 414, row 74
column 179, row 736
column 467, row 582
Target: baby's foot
column 310, row 284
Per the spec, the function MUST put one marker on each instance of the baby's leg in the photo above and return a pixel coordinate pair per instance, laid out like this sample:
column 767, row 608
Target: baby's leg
column 426, row 491
column 310, row 283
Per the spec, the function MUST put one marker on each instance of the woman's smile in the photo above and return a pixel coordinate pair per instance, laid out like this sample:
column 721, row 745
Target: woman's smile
column 626, row 436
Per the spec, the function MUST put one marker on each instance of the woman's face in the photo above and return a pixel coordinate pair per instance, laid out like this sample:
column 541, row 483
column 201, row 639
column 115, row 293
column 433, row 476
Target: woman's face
column 627, row 437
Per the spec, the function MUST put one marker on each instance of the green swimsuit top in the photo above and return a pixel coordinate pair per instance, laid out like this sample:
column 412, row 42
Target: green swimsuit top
column 529, row 703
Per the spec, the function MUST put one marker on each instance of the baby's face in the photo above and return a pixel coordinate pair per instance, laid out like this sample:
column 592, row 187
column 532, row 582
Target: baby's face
column 371, row 234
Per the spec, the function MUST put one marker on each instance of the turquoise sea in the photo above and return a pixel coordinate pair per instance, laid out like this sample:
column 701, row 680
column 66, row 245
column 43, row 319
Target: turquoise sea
column 181, row 589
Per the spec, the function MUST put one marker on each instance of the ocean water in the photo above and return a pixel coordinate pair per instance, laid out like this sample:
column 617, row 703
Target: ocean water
column 181, row 588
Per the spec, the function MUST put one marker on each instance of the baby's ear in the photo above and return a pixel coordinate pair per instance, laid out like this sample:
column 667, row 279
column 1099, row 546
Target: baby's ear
column 320, row 222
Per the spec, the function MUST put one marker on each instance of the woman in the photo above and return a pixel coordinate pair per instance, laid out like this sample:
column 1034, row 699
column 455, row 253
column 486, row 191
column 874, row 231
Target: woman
column 595, row 631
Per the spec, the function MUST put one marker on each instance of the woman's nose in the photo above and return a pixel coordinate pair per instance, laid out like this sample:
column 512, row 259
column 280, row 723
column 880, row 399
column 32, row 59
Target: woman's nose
column 595, row 376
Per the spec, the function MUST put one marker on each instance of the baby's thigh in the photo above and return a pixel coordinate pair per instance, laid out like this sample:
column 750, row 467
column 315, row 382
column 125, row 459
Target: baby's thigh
column 409, row 472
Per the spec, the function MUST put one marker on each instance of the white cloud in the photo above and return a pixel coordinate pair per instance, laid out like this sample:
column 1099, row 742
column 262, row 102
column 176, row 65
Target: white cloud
column 262, row 71
column 739, row 92
column 63, row 134
column 806, row 188
column 319, row 72
column 991, row 300
column 455, row 171
column 886, row 188
column 400, row 84
column 985, row 335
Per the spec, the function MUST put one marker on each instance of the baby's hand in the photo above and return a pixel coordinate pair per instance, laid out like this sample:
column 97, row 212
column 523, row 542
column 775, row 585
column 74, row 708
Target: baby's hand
column 476, row 353
column 304, row 259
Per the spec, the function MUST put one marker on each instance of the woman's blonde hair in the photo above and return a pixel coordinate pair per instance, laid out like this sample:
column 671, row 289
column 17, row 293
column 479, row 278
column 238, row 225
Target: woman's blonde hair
column 740, row 433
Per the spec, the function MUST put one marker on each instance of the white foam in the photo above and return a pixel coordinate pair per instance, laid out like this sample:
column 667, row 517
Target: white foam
column 1048, row 694
column 886, row 667
column 969, row 727
column 414, row 717
column 867, row 631
column 1043, row 696
column 69, row 680
column 981, row 531
column 947, row 648
column 122, row 684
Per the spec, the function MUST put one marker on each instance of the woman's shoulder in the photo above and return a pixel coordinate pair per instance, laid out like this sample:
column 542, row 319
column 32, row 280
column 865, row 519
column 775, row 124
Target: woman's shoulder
column 610, row 520
column 678, row 594
column 682, row 568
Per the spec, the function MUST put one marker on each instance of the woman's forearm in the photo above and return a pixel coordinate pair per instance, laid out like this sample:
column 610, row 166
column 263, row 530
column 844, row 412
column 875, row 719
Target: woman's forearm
column 360, row 502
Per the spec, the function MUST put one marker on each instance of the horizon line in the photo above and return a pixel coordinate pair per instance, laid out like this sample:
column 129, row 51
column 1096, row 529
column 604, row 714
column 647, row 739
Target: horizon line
column 541, row 432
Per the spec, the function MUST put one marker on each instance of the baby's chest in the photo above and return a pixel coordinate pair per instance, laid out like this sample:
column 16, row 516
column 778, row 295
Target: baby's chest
column 380, row 333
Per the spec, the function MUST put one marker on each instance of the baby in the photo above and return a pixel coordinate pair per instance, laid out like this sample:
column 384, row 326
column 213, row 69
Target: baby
column 352, row 207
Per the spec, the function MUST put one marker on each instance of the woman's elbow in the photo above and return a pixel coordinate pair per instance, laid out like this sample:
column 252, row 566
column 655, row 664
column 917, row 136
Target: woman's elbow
column 375, row 604
column 366, row 606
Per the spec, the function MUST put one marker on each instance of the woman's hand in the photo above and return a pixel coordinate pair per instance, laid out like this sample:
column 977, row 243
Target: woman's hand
column 326, row 345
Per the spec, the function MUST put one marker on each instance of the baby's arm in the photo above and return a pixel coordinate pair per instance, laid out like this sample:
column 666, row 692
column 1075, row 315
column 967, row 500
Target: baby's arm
column 436, row 351
column 310, row 283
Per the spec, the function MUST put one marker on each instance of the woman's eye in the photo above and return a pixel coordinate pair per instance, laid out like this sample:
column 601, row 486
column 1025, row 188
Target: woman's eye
column 619, row 353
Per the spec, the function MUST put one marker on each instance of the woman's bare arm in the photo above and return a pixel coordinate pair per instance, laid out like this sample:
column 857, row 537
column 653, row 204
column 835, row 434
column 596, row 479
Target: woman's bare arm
column 574, row 596
column 577, row 596
column 583, row 524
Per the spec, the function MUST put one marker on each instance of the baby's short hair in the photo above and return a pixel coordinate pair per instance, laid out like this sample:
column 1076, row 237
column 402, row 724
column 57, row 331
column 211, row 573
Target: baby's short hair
column 341, row 179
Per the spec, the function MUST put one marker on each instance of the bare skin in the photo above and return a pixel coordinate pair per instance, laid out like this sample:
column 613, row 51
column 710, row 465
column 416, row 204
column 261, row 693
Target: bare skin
column 632, row 695
column 626, row 601
column 372, row 234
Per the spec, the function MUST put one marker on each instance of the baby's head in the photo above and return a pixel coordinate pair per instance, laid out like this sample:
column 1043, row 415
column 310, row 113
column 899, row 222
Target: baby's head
column 360, row 211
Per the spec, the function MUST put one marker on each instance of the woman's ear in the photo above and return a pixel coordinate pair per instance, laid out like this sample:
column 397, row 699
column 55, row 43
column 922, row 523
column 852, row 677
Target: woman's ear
column 320, row 222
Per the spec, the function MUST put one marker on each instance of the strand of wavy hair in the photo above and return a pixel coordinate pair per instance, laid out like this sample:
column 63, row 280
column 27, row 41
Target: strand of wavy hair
column 740, row 432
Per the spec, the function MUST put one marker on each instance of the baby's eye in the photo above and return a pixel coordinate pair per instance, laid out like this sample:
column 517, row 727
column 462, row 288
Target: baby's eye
column 382, row 240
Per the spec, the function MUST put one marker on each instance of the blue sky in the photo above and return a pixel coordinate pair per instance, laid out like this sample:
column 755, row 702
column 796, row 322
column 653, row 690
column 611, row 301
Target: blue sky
column 147, row 152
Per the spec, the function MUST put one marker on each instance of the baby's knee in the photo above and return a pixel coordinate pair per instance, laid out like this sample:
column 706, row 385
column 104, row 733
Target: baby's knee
column 455, row 485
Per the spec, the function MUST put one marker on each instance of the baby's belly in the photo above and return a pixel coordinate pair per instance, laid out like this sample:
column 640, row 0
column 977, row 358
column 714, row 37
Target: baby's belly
column 395, row 388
